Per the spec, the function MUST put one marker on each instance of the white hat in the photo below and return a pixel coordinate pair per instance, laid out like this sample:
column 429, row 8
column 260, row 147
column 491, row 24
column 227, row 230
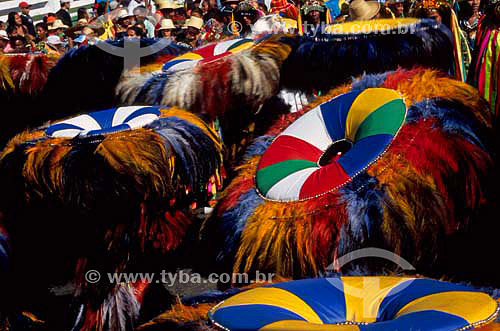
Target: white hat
column 123, row 13
column 168, row 4
column 166, row 24
column 194, row 22
column 64, row 1
column 58, row 24
column 54, row 40
column 3, row 35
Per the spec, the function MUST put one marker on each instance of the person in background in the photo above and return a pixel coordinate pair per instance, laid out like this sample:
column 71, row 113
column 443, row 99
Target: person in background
column 197, row 12
column 3, row 26
column 57, row 28
column 193, row 31
column 134, row 32
column 204, row 6
column 15, row 26
column 17, row 44
column 56, row 45
column 26, row 18
column 4, row 41
column 42, row 32
column 63, row 13
column 314, row 14
column 166, row 9
column 166, row 28
column 397, row 7
column 180, row 17
column 122, row 22
column 83, row 14
column 246, row 14
column 468, row 18
column 140, row 14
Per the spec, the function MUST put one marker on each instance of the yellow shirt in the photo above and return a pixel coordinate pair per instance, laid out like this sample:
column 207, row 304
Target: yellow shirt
column 108, row 30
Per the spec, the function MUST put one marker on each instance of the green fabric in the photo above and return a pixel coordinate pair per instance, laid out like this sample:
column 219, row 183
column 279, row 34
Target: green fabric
column 268, row 176
column 385, row 120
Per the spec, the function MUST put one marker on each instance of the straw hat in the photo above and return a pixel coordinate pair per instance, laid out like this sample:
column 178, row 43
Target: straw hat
column 194, row 22
column 168, row 4
column 360, row 10
column 58, row 24
column 166, row 24
column 123, row 13
column 82, row 22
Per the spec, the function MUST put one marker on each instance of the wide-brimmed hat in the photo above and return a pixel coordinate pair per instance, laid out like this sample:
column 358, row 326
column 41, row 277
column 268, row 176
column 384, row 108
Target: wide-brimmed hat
column 58, row 24
column 166, row 24
column 123, row 13
column 54, row 40
column 168, row 4
column 194, row 22
column 313, row 5
column 360, row 10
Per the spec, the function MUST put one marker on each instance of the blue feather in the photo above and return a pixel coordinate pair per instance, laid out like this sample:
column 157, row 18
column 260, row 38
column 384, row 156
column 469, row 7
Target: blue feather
column 191, row 145
column 4, row 252
column 452, row 118
column 328, row 60
column 365, row 211
column 258, row 147
column 210, row 296
column 370, row 81
column 233, row 222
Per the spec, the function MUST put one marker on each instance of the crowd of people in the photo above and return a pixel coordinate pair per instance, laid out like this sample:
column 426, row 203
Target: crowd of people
column 197, row 22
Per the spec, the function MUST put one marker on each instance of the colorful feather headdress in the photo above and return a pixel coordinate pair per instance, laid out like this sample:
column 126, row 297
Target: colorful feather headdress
column 213, row 79
column 396, row 161
column 22, row 78
column 110, row 191
column 329, row 59
column 25, row 73
column 102, row 73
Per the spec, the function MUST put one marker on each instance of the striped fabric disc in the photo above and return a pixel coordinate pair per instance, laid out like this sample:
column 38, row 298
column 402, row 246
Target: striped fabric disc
column 208, row 53
column 368, row 120
column 104, row 122
column 374, row 303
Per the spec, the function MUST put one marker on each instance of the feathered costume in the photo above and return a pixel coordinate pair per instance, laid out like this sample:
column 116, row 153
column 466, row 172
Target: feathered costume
column 484, row 69
column 234, row 82
column 22, row 77
column 91, row 71
column 329, row 59
column 407, row 190
column 107, row 191
column 212, row 79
